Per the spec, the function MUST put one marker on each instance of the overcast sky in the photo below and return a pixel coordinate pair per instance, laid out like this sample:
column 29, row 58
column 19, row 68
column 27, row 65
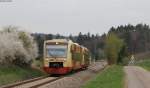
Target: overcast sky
column 73, row 16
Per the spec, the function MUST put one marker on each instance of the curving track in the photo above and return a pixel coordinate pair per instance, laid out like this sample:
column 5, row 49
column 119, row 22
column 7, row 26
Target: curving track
column 70, row 81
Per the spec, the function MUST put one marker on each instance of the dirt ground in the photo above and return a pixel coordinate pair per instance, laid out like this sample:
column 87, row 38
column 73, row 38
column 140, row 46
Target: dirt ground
column 137, row 77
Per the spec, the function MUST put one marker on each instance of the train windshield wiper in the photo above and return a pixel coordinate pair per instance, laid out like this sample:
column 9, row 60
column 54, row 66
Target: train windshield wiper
column 52, row 55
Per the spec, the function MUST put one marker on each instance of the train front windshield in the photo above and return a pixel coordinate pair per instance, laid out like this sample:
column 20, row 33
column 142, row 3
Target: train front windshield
column 55, row 51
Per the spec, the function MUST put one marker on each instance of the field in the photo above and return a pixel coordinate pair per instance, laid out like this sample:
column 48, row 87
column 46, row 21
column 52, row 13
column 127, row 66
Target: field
column 112, row 77
column 145, row 64
column 15, row 73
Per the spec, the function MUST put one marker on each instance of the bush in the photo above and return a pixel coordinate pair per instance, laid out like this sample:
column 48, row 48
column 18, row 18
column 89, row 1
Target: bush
column 16, row 47
column 125, row 61
column 113, row 46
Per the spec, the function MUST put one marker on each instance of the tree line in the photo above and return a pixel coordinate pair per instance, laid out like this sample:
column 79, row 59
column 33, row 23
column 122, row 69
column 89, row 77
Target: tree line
column 127, row 39
column 19, row 47
column 95, row 43
column 137, row 38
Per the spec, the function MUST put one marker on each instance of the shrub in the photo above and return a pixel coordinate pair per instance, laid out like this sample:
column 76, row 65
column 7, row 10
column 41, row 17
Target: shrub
column 16, row 47
column 115, row 49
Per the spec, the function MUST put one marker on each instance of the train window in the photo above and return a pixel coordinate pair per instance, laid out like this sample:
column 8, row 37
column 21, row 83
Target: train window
column 56, row 51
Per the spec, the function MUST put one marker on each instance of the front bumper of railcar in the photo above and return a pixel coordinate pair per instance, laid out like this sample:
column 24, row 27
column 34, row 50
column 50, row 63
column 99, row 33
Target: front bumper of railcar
column 52, row 66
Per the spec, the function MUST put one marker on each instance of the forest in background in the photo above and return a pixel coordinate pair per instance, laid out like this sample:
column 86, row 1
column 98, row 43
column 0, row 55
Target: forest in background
column 136, row 38
column 94, row 43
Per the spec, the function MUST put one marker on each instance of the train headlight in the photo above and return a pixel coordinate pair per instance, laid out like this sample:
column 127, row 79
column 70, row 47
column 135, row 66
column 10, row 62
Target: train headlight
column 47, row 59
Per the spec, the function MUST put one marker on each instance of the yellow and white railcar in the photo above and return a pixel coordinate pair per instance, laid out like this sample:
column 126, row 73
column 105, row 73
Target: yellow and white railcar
column 62, row 56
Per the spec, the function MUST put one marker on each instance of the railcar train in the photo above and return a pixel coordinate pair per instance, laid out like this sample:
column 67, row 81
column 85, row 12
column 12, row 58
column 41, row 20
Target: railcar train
column 62, row 56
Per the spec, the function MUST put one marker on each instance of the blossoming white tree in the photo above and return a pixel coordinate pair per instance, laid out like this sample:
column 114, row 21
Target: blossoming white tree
column 17, row 47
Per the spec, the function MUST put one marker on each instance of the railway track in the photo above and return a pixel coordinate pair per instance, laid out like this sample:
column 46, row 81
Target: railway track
column 53, row 82
column 33, row 83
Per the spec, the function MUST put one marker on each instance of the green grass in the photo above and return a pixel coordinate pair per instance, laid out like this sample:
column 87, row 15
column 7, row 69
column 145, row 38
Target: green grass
column 112, row 77
column 145, row 64
column 15, row 73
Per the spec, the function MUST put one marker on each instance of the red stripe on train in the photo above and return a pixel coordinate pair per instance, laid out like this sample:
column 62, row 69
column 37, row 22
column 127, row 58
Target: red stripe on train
column 63, row 70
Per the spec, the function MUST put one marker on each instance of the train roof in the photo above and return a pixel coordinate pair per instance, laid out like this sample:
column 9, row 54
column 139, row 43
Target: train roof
column 59, row 40
column 65, row 41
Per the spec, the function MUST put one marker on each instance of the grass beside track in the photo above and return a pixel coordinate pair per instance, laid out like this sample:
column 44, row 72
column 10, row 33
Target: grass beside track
column 112, row 77
column 145, row 64
column 15, row 73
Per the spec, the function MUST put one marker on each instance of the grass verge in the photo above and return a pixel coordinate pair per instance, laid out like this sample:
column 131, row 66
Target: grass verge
column 15, row 73
column 112, row 77
column 145, row 64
